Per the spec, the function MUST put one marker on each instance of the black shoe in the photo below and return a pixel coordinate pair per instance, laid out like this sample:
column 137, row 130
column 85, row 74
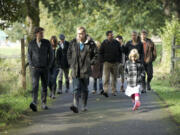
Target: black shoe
column 74, row 109
column 33, row 107
column 67, row 90
column 148, row 86
column 105, row 94
column 44, row 107
column 114, row 94
column 59, row 92
column 102, row 91
column 143, row 91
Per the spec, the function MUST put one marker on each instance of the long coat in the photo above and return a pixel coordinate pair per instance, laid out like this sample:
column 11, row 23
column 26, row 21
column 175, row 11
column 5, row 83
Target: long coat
column 81, row 61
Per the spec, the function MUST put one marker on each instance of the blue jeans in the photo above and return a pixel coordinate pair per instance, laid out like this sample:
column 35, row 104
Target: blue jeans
column 52, row 79
column 80, row 89
column 100, row 84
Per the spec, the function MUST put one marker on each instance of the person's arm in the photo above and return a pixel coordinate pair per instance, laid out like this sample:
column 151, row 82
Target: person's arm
column 94, row 53
column 50, row 53
column 29, row 54
column 125, row 70
column 58, row 57
column 69, row 53
column 141, row 53
column 101, row 53
column 154, row 51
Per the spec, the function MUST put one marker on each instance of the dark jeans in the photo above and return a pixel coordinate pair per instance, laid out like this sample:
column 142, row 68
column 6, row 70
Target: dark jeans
column 80, row 89
column 100, row 84
column 52, row 79
column 38, row 73
column 149, row 70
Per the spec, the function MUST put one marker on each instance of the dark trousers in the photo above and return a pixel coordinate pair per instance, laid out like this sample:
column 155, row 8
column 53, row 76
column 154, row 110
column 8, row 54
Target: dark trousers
column 38, row 74
column 80, row 89
column 52, row 79
column 149, row 71
column 100, row 84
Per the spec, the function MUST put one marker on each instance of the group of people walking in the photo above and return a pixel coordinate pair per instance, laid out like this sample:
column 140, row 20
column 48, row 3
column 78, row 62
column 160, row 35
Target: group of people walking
column 83, row 58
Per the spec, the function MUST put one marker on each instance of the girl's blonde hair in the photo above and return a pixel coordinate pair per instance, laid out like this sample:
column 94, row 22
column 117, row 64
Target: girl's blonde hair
column 134, row 53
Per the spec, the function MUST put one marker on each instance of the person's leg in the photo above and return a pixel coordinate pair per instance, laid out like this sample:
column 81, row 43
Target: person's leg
column 35, row 86
column 100, row 84
column 44, row 81
column 106, row 72
column 66, row 73
column 149, row 75
column 121, row 70
column 60, row 81
column 94, row 86
column 76, row 94
column 114, row 78
column 84, row 90
column 137, row 101
column 54, row 77
column 50, row 84
column 144, row 80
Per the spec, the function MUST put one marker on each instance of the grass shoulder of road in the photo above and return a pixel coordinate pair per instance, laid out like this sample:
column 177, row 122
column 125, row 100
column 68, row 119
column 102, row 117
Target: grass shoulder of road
column 170, row 95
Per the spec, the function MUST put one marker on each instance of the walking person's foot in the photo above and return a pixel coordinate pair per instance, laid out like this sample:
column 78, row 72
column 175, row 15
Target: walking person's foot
column 74, row 109
column 114, row 94
column 105, row 94
column 101, row 92
column 93, row 91
column 143, row 91
column 66, row 90
column 44, row 106
column 84, row 109
column 136, row 105
column 122, row 89
column 59, row 92
column 33, row 107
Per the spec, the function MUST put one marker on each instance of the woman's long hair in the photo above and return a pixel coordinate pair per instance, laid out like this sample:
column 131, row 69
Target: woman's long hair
column 54, row 41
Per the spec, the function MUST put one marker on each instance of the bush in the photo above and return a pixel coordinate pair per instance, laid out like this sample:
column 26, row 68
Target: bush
column 172, row 28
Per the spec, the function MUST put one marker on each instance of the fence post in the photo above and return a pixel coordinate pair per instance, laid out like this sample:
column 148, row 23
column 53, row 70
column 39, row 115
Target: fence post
column 173, row 54
column 23, row 68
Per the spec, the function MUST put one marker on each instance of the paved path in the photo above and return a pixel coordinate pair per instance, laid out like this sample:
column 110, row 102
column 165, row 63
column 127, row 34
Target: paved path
column 106, row 116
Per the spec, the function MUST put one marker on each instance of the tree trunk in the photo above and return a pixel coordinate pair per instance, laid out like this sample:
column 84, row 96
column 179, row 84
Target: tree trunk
column 33, row 18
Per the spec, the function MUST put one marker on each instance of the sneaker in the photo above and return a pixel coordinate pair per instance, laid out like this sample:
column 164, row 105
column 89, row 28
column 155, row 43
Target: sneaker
column 105, row 94
column 44, row 107
column 93, row 91
column 102, row 91
column 33, row 107
column 148, row 86
column 84, row 109
column 74, row 109
column 59, row 92
column 122, row 89
column 136, row 105
column 143, row 91
column 53, row 96
column 66, row 90
column 114, row 94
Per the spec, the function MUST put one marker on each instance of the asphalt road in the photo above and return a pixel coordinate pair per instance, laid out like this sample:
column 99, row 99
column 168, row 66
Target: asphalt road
column 105, row 116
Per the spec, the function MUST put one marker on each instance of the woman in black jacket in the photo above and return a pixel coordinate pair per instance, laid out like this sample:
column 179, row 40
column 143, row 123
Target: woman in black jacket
column 53, row 71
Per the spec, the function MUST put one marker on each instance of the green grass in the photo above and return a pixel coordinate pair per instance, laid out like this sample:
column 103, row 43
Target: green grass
column 10, row 51
column 170, row 95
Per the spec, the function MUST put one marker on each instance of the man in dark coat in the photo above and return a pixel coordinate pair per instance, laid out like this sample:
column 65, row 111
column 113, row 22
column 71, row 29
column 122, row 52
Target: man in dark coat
column 40, row 59
column 63, row 63
column 110, row 55
column 149, row 57
column 82, row 54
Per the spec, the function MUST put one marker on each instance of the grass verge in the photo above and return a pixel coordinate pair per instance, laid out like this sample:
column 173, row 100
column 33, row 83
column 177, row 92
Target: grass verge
column 170, row 95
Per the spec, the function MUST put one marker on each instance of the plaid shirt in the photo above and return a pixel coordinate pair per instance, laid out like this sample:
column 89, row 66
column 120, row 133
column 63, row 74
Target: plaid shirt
column 133, row 73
